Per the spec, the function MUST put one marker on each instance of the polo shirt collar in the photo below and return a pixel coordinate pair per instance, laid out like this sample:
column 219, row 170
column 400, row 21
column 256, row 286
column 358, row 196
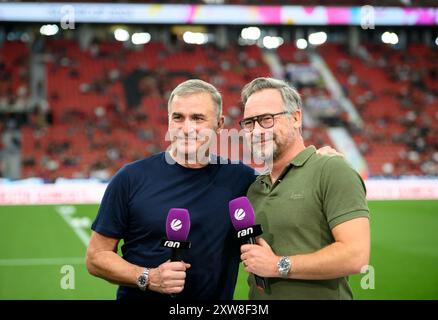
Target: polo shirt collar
column 303, row 156
column 298, row 161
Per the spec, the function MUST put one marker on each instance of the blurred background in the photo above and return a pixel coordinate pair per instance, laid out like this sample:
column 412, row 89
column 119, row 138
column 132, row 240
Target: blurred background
column 84, row 89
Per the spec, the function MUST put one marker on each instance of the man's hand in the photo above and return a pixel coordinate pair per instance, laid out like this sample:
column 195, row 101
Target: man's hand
column 169, row 277
column 329, row 151
column 259, row 259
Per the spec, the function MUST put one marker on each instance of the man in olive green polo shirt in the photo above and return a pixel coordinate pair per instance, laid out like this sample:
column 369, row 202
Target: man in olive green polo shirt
column 312, row 207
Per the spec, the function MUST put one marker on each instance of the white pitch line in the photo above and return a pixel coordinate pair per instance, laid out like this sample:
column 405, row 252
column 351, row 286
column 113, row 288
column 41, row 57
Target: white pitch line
column 81, row 233
column 41, row 261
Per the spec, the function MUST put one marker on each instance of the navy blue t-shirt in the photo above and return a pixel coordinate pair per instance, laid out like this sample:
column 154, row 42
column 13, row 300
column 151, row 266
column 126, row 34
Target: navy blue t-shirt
column 135, row 207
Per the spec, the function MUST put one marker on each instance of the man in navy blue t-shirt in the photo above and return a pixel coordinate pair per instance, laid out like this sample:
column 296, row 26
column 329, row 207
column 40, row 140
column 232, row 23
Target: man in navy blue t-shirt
column 138, row 198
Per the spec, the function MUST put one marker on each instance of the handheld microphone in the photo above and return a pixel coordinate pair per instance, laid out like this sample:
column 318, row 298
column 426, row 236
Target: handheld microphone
column 243, row 219
column 177, row 230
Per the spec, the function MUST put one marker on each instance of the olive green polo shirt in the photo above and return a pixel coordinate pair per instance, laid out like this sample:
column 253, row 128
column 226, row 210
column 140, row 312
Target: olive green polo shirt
column 313, row 194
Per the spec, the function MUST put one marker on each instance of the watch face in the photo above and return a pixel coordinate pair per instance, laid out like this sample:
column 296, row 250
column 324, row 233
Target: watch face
column 284, row 264
column 142, row 280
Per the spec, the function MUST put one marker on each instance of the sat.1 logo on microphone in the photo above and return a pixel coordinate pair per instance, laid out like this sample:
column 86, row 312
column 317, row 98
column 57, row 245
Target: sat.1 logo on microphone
column 239, row 214
column 176, row 224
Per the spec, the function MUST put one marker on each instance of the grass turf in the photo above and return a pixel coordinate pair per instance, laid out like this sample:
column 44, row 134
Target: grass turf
column 35, row 242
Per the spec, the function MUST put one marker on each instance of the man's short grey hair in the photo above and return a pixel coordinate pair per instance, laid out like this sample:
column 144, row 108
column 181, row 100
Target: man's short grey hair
column 291, row 97
column 194, row 86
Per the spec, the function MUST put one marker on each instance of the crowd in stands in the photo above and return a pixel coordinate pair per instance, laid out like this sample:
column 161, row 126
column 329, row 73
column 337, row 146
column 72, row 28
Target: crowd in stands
column 107, row 104
column 14, row 94
column 396, row 93
column 14, row 78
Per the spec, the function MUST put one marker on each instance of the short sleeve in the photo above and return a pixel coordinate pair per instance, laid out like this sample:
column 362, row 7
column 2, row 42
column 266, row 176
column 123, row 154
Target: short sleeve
column 112, row 217
column 343, row 192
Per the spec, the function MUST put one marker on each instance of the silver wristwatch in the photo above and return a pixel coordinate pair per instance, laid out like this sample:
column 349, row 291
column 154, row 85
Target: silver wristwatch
column 143, row 280
column 284, row 265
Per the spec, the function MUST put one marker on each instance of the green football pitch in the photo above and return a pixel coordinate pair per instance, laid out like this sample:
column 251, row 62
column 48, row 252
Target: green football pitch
column 43, row 247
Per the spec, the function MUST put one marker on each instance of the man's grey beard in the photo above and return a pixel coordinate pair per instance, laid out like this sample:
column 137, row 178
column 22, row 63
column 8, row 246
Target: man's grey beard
column 274, row 151
column 259, row 153
column 265, row 153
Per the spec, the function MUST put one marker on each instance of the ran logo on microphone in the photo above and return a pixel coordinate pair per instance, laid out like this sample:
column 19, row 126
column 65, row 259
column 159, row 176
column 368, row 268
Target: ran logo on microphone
column 245, row 232
column 172, row 244
column 239, row 214
column 176, row 224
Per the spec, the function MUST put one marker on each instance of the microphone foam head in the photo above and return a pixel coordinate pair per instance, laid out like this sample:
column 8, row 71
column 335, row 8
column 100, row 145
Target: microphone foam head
column 177, row 224
column 241, row 213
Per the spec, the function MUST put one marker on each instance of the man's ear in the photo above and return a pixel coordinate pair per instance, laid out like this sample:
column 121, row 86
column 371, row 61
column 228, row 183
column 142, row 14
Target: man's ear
column 220, row 124
column 297, row 116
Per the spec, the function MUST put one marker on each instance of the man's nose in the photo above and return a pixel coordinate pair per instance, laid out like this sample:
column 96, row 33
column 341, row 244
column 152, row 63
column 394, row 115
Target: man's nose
column 188, row 127
column 258, row 129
